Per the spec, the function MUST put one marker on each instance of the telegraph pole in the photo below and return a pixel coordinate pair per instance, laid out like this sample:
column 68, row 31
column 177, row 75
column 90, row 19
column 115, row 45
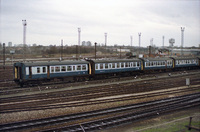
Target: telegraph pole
column 139, row 41
column 163, row 40
column 79, row 41
column 120, row 52
column 4, row 55
column 95, row 50
column 182, row 39
column 24, row 37
column 61, row 50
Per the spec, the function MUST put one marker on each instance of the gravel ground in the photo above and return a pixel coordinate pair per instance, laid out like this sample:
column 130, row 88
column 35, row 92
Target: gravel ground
column 29, row 115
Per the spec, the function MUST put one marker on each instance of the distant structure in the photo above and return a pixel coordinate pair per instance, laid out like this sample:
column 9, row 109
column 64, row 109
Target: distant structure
column 24, row 37
column 9, row 44
column 79, row 36
column 163, row 40
column 79, row 41
column 171, row 41
column 151, row 42
column 139, row 41
column 105, row 39
column 61, row 50
column 86, row 43
column 182, row 39
column 131, row 40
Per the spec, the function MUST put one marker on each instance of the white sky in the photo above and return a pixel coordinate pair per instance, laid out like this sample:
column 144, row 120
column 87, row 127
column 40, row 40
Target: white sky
column 49, row 21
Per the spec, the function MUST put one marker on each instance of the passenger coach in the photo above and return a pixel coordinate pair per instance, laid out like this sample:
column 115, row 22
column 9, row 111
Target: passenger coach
column 24, row 72
column 186, row 62
column 157, row 63
column 115, row 66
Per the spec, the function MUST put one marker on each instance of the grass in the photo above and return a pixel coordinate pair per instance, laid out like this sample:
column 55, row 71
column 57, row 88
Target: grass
column 177, row 124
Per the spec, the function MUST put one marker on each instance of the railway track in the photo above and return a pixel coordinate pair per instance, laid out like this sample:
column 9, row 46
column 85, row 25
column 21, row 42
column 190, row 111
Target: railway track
column 61, row 99
column 11, row 88
column 106, row 117
column 149, row 81
column 85, row 100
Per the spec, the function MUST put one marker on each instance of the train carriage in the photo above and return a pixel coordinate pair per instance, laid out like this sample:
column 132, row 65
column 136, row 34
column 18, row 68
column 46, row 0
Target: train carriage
column 185, row 62
column 28, row 71
column 157, row 63
column 115, row 66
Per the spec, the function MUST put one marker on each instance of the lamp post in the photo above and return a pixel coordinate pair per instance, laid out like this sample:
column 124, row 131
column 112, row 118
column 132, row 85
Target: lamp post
column 182, row 39
column 79, row 41
column 139, row 34
column 24, row 37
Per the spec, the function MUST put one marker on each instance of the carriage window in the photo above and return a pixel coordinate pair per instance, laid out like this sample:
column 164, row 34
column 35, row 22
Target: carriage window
column 113, row 65
column 122, row 65
column 110, row 65
column 131, row 64
column 96, row 66
column 106, row 66
column 138, row 64
column 78, row 68
column 101, row 66
column 38, row 70
column 127, row 64
column 74, row 68
column 57, row 68
column 52, row 69
column 118, row 65
column 63, row 68
column 44, row 69
column 69, row 68
column 83, row 67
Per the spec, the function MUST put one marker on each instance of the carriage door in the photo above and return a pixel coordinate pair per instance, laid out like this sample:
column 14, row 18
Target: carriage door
column 19, row 73
column 48, row 72
column 30, row 72
column 16, row 72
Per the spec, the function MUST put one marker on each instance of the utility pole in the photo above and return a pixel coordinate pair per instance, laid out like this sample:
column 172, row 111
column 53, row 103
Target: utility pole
column 131, row 40
column 79, row 41
column 4, row 55
column 150, row 51
column 139, row 41
column 24, row 38
column 151, row 42
column 95, row 50
column 120, row 52
column 182, row 39
column 76, row 52
column 61, row 50
column 163, row 40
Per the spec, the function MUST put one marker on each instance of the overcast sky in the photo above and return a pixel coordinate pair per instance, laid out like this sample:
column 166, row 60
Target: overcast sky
column 49, row 21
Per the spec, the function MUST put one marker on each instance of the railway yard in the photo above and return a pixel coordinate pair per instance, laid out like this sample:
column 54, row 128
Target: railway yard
column 96, row 104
